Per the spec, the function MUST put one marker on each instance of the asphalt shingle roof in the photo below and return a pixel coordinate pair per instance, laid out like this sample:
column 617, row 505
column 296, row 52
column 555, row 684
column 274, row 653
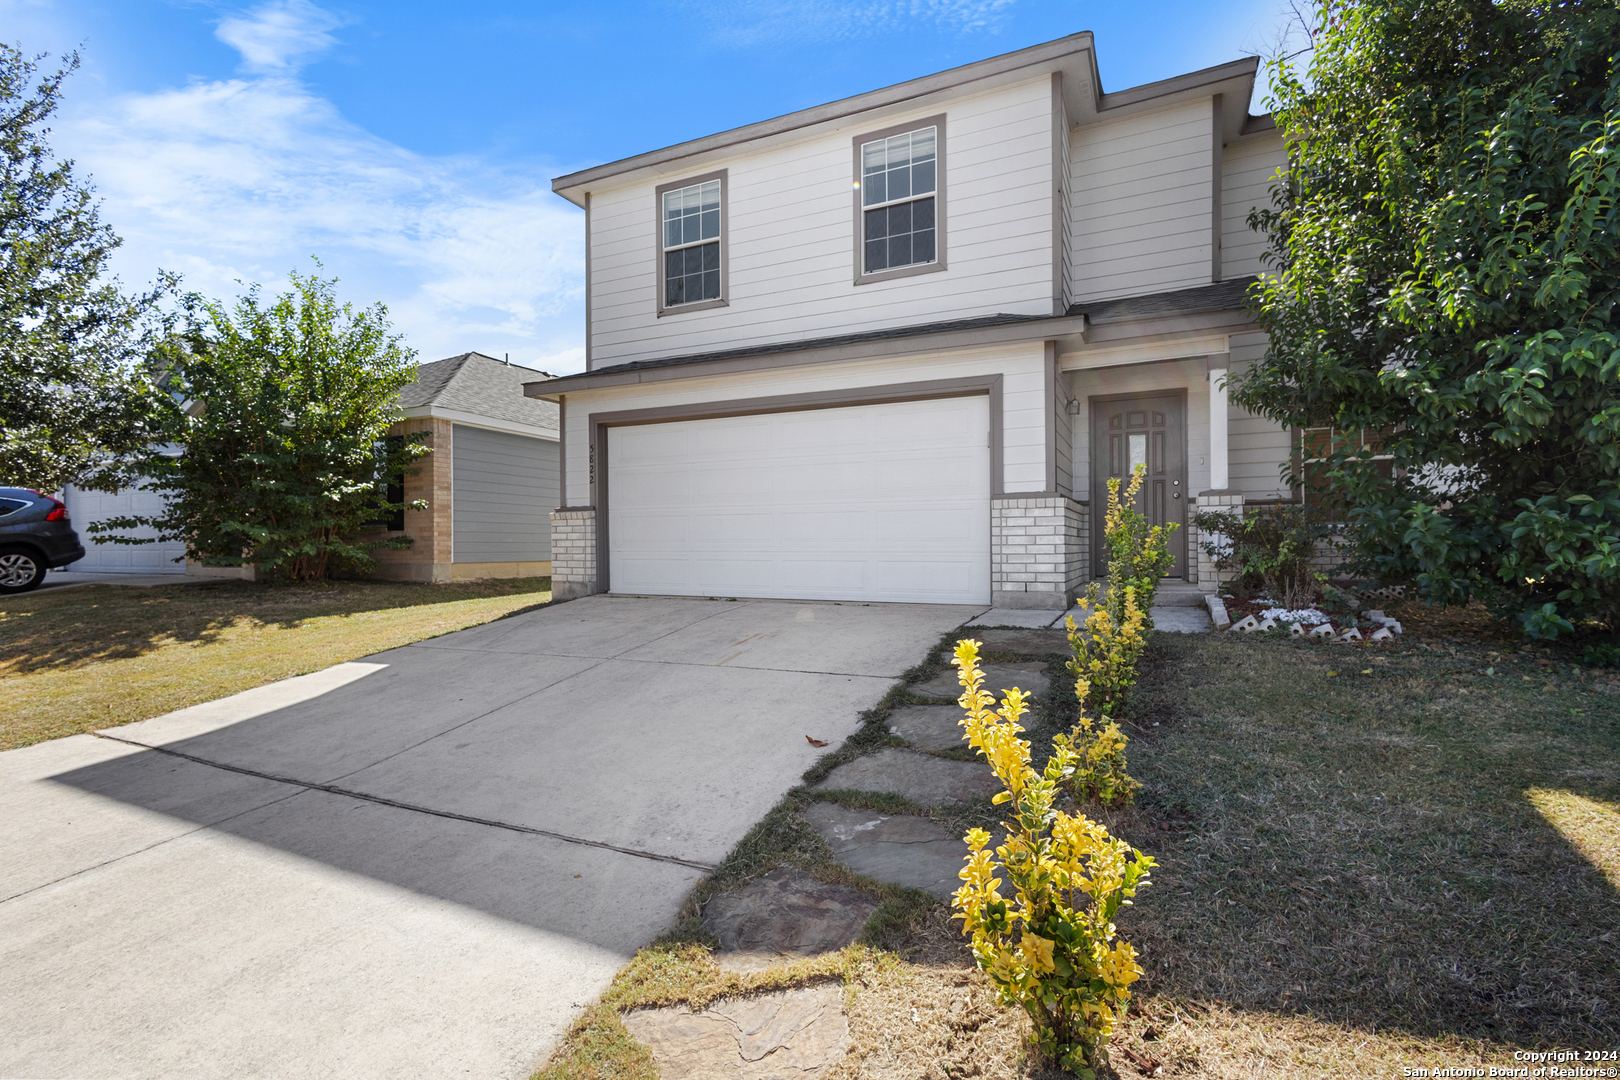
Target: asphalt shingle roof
column 481, row 385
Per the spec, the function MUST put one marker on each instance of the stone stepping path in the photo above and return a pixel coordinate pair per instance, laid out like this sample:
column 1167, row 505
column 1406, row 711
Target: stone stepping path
column 785, row 915
column 1034, row 642
column 792, row 1033
column 897, row 849
column 929, row 727
column 930, row 781
column 998, row 678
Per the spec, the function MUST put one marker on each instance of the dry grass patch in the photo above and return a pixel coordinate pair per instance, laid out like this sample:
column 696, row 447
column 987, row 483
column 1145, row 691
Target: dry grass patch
column 72, row 660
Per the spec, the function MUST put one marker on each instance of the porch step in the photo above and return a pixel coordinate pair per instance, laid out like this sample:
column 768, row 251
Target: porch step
column 1174, row 593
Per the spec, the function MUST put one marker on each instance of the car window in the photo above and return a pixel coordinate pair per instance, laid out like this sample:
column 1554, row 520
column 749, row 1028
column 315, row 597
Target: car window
column 11, row 506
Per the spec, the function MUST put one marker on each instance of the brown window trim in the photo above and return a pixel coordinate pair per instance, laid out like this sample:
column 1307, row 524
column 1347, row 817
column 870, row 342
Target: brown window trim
column 725, row 241
column 597, row 425
column 861, row 277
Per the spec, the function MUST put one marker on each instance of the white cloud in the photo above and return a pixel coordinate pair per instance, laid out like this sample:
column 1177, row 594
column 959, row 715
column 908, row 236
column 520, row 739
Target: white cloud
column 244, row 179
column 279, row 36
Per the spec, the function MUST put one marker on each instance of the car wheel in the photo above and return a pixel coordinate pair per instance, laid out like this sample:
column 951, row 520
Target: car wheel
column 20, row 570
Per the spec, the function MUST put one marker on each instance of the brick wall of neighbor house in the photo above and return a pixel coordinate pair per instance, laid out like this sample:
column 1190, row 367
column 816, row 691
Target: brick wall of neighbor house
column 428, row 557
column 573, row 553
column 1035, row 554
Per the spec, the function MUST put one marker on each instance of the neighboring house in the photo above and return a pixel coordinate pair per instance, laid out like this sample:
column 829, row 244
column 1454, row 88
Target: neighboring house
column 891, row 348
column 490, row 485
column 491, row 482
column 85, row 507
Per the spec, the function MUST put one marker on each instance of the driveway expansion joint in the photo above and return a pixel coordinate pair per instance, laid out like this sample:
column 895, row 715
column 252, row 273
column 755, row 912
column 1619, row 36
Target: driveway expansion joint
column 332, row 789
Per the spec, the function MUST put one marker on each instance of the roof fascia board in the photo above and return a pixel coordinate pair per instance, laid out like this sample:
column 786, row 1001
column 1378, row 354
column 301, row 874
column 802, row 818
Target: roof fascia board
column 492, row 423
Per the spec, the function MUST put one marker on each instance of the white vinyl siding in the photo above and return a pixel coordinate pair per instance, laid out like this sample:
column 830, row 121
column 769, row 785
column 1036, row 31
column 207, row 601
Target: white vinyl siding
column 1248, row 166
column 789, row 243
column 1255, row 445
column 881, row 503
column 85, row 507
column 504, row 488
column 1143, row 207
column 1023, row 394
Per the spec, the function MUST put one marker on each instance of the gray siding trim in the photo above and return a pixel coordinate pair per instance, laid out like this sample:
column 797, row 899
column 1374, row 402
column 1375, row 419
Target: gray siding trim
column 1216, row 177
column 587, row 282
column 504, row 489
column 599, row 423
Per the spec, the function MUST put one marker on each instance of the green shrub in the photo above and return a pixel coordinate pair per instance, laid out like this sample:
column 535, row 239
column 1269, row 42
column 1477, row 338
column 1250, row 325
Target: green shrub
column 1269, row 549
column 1051, row 950
column 1601, row 654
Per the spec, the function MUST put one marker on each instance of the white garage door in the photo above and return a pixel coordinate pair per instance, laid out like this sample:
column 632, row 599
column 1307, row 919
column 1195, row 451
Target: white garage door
column 87, row 506
column 873, row 502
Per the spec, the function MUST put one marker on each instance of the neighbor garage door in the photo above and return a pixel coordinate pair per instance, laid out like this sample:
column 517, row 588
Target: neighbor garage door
column 873, row 502
column 85, row 507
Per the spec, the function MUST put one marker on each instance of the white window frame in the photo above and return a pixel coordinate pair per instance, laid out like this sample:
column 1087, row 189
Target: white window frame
column 861, row 277
column 725, row 235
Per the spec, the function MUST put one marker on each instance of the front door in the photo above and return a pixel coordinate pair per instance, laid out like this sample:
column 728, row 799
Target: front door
column 1127, row 432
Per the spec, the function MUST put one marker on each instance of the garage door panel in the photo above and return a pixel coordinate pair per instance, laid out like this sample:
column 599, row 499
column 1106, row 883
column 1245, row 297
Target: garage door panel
column 882, row 502
column 85, row 507
column 927, row 529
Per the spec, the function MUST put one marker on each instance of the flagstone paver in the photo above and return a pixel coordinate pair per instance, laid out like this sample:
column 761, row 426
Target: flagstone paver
column 892, row 848
column 929, row 727
column 782, row 1036
column 1033, row 642
column 784, row 915
column 1031, row 678
column 922, row 778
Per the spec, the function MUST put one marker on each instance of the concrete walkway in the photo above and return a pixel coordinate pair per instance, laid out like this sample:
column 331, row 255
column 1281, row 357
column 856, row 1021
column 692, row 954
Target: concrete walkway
column 421, row 864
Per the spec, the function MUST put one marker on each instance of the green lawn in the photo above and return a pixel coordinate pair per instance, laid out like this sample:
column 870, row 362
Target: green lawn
column 72, row 660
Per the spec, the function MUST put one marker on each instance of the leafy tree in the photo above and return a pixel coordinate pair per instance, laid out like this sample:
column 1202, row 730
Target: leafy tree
column 1447, row 255
column 282, row 411
column 75, row 405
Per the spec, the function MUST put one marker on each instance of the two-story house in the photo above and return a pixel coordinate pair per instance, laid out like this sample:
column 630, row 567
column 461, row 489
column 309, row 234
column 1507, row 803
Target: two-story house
column 892, row 347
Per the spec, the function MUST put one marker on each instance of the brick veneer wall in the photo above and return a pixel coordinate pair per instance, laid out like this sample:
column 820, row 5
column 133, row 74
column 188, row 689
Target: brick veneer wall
column 1227, row 502
column 428, row 558
column 1036, row 551
column 573, row 553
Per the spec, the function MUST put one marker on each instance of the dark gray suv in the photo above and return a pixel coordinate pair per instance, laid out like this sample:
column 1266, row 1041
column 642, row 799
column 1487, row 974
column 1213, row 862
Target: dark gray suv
column 35, row 536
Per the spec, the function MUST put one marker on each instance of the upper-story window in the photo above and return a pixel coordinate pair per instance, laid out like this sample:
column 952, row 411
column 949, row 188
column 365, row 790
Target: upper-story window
column 899, row 200
column 692, row 226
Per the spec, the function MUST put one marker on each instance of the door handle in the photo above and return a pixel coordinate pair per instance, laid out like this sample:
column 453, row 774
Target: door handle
column 1175, row 494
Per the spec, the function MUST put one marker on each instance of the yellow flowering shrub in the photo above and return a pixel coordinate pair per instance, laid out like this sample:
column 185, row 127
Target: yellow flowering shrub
column 1138, row 553
column 1106, row 649
column 1051, row 947
column 1099, row 753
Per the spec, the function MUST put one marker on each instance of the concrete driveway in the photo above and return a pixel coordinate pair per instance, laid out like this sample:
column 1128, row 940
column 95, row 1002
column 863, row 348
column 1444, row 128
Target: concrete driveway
column 421, row 864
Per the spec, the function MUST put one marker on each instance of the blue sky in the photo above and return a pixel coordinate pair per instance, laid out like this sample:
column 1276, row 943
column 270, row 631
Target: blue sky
column 410, row 145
